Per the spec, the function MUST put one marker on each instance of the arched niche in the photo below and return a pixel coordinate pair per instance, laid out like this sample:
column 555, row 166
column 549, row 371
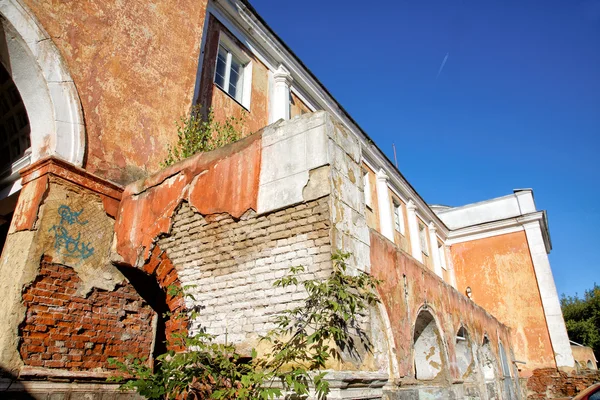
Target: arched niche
column 487, row 360
column 464, row 352
column 45, row 86
column 427, row 351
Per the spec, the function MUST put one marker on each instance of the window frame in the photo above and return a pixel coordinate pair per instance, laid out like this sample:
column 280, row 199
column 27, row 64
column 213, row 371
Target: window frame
column 423, row 231
column 367, row 188
column 398, row 216
column 233, row 51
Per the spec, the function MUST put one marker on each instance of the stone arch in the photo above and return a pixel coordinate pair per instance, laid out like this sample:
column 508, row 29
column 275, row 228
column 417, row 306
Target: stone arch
column 154, row 282
column 464, row 352
column 45, row 85
column 487, row 360
column 428, row 356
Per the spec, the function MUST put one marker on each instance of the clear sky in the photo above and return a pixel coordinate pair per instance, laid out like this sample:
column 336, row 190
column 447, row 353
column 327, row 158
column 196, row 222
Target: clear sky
column 479, row 96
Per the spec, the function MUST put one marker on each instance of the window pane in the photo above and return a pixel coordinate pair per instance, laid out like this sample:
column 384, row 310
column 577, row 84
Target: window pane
column 235, row 79
column 221, row 67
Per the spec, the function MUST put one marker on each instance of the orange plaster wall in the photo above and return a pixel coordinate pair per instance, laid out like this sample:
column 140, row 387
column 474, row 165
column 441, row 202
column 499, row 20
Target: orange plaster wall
column 297, row 106
column 450, row 309
column 223, row 180
column 133, row 82
column 257, row 117
column 500, row 273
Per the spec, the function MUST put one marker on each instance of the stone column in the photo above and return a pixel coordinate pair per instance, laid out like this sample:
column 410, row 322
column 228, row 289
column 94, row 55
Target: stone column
column 386, row 221
column 435, row 254
column 281, row 93
column 413, row 230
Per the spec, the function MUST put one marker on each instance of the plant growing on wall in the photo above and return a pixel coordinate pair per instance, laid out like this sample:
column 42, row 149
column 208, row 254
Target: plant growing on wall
column 199, row 133
column 326, row 326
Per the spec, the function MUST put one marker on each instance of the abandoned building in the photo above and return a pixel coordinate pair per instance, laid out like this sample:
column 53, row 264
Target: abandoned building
column 93, row 229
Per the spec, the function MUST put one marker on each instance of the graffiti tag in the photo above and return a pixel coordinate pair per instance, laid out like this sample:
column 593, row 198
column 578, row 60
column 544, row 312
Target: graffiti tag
column 64, row 242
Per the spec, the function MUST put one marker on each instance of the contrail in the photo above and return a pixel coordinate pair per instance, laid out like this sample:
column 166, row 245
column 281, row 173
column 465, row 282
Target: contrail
column 442, row 66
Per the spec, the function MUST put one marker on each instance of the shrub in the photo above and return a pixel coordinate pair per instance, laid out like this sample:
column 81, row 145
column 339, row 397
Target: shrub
column 200, row 133
column 326, row 325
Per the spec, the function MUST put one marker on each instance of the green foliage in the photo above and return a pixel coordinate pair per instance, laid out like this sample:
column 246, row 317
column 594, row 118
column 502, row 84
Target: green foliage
column 200, row 133
column 326, row 326
column 582, row 317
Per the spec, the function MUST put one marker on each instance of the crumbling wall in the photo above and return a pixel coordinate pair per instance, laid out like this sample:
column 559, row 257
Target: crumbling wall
column 232, row 264
column 550, row 383
column 132, row 82
column 500, row 273
column 408, row 289
column 65, row 330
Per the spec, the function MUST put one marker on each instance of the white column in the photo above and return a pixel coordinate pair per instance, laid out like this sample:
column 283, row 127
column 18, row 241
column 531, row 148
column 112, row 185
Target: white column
column 386, row 219
column 281, row 93
column 549, row 295
column 413, row 230
column 435, row 254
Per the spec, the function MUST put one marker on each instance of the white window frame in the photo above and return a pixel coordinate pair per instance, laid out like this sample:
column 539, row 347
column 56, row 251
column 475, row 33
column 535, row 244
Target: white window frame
column 442, row 255
column 367, row 188
column 245, row 61
column 398, row 216
column 423, row 237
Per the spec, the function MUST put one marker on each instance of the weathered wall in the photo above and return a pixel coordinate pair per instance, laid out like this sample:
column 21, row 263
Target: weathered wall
column 73, row 309
column 223, row 105
column 224, row 180
column 407, row 288
column 132, row 82
column 549, row 383
column 501, row 276
column 233, row 263
column 65, row 330
column 584, row 356
column 297, row 106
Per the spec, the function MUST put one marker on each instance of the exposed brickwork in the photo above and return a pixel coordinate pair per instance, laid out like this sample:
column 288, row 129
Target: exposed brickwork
column 233, row 263
column 161, row 267
column 549, row 383
column 63, row 330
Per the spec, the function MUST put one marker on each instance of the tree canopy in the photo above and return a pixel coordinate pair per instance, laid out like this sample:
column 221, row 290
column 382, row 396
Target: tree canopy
column 582, row 317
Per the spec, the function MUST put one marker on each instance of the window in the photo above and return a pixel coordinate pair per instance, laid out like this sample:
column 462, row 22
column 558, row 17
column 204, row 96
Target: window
column 398, row 217
column 442, row 255
column 423, row 238
column 233, row 72
column 367, row 189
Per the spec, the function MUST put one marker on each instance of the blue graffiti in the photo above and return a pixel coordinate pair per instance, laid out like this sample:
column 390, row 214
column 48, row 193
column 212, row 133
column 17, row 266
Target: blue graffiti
column 70, row 217
column 66, row 244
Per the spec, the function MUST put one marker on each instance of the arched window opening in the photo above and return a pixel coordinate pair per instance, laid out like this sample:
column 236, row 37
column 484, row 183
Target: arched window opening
column 427, row 350
column 15, row 143
column 464, row 355
column 488, row 361
column 590, row 365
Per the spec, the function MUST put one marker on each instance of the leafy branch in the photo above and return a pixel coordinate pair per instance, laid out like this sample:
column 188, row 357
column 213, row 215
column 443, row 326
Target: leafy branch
column 200, row 133
column 326, row 327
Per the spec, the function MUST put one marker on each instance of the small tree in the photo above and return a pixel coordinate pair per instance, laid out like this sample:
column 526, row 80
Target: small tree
column 200, row 133
column 582, row 317
column 305, row 338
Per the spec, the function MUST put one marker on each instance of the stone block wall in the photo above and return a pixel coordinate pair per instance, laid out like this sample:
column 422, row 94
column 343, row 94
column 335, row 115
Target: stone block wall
column 65, row 330
column 231, row 263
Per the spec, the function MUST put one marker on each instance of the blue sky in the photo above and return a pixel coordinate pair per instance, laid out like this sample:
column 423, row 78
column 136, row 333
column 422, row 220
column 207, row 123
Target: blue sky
column 516, row 104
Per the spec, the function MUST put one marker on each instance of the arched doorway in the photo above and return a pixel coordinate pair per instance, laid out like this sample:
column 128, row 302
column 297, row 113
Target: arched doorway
column 464, row 353
column 428, row 357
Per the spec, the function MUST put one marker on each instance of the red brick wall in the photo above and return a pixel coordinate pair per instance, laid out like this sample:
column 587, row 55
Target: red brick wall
column 549, row 383
column 64, row 330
